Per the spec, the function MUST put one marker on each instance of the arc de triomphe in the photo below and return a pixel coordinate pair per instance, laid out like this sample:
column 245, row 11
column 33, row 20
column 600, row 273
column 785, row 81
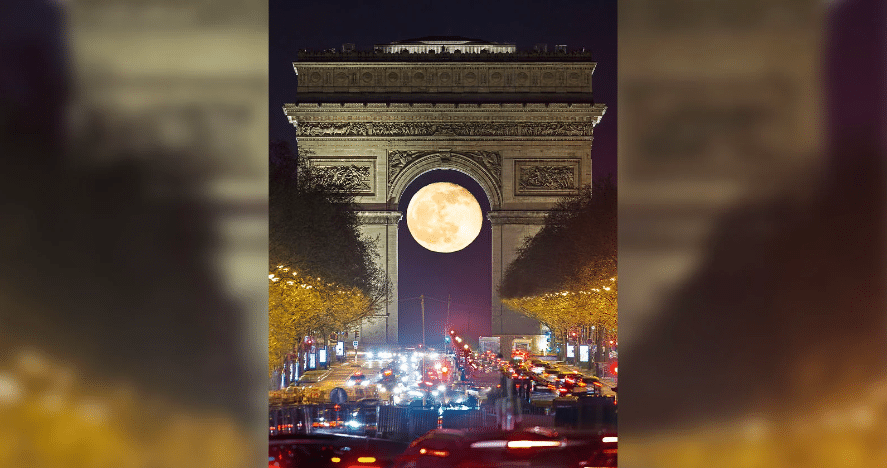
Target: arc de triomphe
column 519, row 123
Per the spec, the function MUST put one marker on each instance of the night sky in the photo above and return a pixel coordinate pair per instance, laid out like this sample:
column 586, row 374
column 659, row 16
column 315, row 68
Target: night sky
column 465, row 275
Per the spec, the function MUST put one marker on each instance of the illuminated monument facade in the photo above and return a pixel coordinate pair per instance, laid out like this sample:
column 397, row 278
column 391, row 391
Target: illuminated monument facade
column 519, row 123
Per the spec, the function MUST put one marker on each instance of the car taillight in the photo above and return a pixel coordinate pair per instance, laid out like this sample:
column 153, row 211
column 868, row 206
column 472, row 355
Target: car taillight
column 366, row 459
column 515, row 444
column 434, row 453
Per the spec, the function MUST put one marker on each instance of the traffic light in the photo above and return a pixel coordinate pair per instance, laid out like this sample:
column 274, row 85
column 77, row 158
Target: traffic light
column 356, row 335
column 447, row 339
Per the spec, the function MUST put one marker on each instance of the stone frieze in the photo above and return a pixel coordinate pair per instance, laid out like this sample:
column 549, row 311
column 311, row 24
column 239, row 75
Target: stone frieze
column 408, row 129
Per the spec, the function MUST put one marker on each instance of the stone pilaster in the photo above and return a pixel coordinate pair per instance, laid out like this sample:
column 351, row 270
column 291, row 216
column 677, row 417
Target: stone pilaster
column 382, row 226
column 510, row 228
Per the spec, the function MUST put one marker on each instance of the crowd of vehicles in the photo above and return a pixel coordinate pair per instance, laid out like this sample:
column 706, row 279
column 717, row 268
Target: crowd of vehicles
column 437, row 382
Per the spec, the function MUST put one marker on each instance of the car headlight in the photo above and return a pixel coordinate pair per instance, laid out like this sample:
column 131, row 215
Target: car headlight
column 350, row 383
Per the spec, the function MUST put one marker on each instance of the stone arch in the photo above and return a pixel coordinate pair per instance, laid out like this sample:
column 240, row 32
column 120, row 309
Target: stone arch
column 483, row 166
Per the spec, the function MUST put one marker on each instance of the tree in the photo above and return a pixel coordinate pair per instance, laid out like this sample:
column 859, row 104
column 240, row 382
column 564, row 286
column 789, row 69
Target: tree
column 301, row 305
column 566, row 275
column 331, row 278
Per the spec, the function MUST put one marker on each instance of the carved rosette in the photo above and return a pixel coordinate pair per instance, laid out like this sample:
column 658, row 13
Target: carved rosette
column 411, row 129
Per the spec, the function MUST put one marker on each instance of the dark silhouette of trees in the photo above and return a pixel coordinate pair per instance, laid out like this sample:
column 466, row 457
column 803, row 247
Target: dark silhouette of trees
column 314, row 225
column 566, row 275
column 579, row 231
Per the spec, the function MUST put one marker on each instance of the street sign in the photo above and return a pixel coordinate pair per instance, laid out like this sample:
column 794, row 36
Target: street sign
column 354, row 343
column 589, row 341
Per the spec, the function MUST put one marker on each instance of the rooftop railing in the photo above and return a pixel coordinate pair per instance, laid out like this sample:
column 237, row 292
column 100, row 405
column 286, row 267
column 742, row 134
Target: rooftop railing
column 333, row 55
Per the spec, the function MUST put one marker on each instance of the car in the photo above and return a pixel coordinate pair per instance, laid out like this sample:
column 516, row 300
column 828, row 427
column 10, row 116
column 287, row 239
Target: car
column 311, row 377
column 365, row 417
column 490, row 447
column 543, row 396
column 593, row 385
column 356, row 378
column 550, row 374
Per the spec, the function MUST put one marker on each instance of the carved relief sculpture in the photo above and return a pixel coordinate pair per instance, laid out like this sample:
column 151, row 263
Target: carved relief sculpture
column 536, row 178
column 356, row 178
column 444, row 129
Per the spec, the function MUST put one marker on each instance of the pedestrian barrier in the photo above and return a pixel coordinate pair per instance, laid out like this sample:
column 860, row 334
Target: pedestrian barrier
column 585, row 412
column 421, row 421
column 393, row 422
column 464, row 419
column 289, row 420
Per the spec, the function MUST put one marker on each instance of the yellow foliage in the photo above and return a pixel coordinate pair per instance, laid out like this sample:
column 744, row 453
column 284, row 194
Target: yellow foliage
column 300, row 305
column 588, row 300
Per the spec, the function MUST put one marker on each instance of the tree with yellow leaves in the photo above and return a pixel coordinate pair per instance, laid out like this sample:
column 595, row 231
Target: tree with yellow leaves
column 301, row 305
column 323, row 276
column 565, row 276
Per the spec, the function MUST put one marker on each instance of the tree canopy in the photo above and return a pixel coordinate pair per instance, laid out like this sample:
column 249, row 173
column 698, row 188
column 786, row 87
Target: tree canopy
column 313, row 226
column 322, row 273
column 566, row 275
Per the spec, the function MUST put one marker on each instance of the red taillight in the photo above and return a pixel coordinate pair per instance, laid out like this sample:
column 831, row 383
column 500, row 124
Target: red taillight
column 434, row 453
column 514, row 444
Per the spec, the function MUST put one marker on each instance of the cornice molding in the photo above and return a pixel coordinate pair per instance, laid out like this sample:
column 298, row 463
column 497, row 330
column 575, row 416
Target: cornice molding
column 379, row 217
column 393, row 107
column 499, row 217
column 455, row 129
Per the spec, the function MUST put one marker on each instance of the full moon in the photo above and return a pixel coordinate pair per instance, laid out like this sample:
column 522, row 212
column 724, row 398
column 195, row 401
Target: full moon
column 444, row 217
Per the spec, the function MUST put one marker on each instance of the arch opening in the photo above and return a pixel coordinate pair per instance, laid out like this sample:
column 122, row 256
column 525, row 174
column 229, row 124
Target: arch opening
column 483, row 167
column 463, row 277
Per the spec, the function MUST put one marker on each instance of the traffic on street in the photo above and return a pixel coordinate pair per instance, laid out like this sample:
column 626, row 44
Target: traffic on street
column 418, row 407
